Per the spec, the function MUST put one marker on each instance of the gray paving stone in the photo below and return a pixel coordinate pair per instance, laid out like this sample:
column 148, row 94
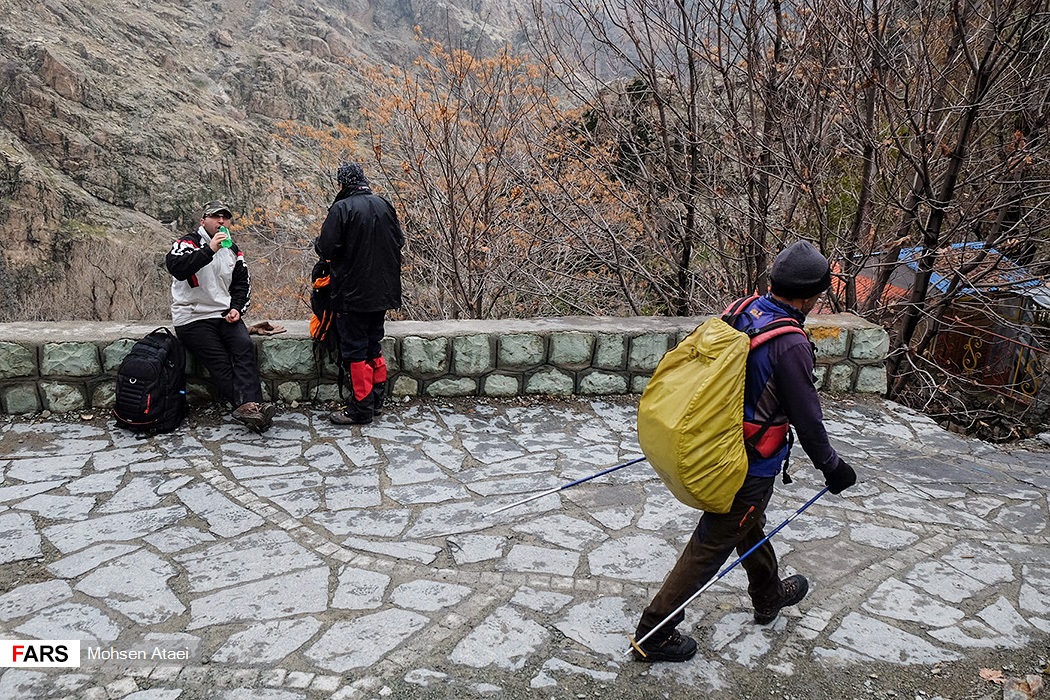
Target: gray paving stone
column 1035, row 589
column 155, row 694
column 387, row 523
column 505, row 639
column 738, row 639
column 414, row 551
column 23, row 683
column 52, row 507
column 255, row 694
column 122, row 457
column 360, row 453
column 428, row 596
column 86, row 560
column 48, row 468
column 881, row 537
column 600, row 625
column 451, row 518
column 289, row 595
column 177, row 538
column 468, row 549
column 554, row 668
column 427, row 493
column 540, row 560
column 251, row 557
column 267, row 643
column 410, row 465
column 1001, row 626
column 641, row 558
column 9, row 494
column 136, row 586
column 33, row 597
column 883, row 642
column 359, row 589
column 425, row 677
column 119, row 527
column 564, row 531
column 224, row 517
column 900, row 601
column 272, row 485
column 362, row 642
column 71, row 621
column 357, row 490
column 1025, row 519
column 298, row 504
column 547, row 602
column 140, row 492
column 18, row 537
column 105, row 482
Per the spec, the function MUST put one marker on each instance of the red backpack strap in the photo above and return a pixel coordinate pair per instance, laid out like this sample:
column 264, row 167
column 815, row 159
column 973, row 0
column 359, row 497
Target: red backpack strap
column 734, row 309
column 775, row 329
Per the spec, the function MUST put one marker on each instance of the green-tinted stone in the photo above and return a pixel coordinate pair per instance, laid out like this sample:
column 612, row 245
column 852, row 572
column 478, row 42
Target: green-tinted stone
column 521, row 350
column 70, row 360
column 62, row 398
column 286, row 357
column 549, row 382
column 424, row 357
column 20, row 398
column 17, row 361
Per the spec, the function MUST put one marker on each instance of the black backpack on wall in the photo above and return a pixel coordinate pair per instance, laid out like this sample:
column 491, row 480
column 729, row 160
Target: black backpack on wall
column 151, row 385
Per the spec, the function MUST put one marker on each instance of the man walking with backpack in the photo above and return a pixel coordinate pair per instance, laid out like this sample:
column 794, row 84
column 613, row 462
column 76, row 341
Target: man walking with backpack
column 210, row 292
column 361, row 239
column 778, row 393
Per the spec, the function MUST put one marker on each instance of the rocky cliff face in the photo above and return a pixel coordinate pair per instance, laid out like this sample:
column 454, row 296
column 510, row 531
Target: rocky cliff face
column 118, row 117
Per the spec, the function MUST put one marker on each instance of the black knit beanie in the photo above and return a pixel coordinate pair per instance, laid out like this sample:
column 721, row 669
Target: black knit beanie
column 799, row 272
column 351, row 175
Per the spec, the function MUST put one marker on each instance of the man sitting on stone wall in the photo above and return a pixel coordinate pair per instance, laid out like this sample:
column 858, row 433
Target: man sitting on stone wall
column 210, row 292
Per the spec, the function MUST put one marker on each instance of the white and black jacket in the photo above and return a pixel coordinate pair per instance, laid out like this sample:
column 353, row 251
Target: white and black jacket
column 206, row 284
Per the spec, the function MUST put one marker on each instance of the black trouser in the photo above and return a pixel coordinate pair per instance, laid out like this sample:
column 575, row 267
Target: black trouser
column 715, row 538
column 226, row 351
column 361, row 350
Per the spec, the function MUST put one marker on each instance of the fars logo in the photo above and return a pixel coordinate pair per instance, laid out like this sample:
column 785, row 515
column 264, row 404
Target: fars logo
column 37, row 653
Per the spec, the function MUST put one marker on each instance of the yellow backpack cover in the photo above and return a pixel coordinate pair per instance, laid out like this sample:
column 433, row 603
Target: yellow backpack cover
column 691, row 415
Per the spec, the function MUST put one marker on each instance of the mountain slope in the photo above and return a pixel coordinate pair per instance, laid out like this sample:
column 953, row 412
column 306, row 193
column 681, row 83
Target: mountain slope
column 116, row 116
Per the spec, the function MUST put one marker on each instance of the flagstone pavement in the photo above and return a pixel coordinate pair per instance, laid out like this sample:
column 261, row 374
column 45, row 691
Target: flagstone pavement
column 324, row 562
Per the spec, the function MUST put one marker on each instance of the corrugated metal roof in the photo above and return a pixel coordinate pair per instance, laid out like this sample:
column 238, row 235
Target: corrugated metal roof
column 995, row 273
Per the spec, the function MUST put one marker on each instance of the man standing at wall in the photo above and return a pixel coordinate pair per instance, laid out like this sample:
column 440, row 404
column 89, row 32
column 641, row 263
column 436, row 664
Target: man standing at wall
column 210, row 292
column 362, row 240
column 778, row 391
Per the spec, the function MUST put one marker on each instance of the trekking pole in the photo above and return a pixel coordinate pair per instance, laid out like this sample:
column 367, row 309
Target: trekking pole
column 637, row 645
column 565, row 486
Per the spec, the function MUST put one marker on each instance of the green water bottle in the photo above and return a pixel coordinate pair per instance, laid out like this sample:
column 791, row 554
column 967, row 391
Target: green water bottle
column 226, row 242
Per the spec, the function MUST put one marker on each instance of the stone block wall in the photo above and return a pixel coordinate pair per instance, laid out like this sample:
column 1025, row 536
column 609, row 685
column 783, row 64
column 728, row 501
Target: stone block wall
column 71, row 366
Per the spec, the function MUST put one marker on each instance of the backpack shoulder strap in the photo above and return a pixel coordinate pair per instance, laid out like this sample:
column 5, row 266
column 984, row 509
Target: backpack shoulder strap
column 775, row 329
column 734, row 309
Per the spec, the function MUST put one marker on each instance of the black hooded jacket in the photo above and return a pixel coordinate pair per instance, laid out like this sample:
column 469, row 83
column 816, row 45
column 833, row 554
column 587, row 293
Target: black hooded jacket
column 362, row 240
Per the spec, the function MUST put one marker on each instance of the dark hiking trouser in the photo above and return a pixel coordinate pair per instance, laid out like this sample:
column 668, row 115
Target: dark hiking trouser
column 715, row 538
column 226, row 351
column 360, row 338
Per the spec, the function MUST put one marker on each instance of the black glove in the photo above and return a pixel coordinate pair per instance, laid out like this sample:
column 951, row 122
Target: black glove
column 840, row 478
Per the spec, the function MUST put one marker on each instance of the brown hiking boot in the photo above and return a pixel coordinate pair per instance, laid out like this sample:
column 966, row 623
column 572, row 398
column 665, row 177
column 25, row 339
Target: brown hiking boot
column 257, row 416
column 792, row 590
column 675, row 647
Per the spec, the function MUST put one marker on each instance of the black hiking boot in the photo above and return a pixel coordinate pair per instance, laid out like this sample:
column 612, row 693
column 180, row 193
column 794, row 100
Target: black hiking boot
column 348, row 416
column 792, row 590
column 676, row 647
column 379, row 397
